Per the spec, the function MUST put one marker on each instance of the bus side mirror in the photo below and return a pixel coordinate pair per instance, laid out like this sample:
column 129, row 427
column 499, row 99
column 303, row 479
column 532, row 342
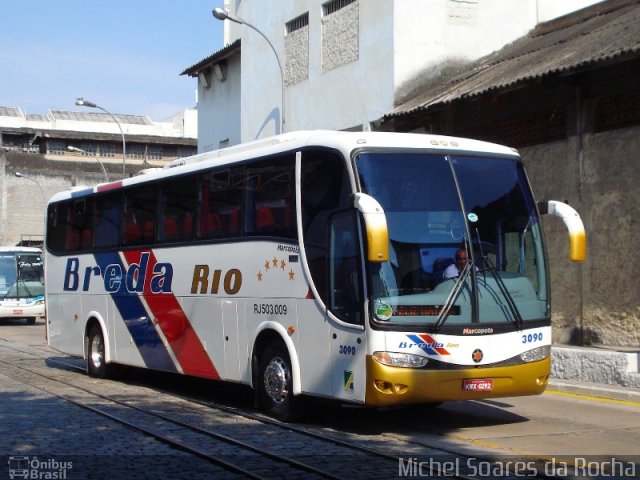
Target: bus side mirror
column 375, row 223
column 571, row 218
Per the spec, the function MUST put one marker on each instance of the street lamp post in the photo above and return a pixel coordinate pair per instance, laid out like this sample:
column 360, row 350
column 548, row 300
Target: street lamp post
column 71, row 148
column 86, row 103
column 44, row 199
column 222, row 14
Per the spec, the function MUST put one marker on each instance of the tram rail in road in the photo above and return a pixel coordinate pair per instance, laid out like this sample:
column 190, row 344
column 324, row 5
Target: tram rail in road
column 346, row 443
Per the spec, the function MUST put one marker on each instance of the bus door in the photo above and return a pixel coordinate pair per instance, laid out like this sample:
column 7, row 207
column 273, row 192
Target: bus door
column 345, row 302
column 331, row 247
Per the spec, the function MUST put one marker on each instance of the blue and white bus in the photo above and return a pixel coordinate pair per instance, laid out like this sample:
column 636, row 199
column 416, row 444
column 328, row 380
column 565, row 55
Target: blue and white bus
column 21, row 283
column 312, row 263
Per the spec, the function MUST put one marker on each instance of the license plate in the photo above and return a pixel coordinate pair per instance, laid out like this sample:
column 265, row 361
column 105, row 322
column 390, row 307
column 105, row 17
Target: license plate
column 477, row 385
column 17, row 311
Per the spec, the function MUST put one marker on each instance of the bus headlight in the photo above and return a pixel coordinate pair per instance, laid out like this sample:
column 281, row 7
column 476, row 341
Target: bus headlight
column 406, row 360
column 536, row 354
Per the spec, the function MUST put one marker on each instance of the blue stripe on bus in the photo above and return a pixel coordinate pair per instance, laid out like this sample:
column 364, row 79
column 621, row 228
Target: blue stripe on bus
column 140, row 326
column 423, row 345
column 81, row 193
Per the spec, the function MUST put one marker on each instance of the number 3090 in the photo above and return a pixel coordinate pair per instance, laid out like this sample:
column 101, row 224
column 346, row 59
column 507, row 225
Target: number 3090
column 532, row 337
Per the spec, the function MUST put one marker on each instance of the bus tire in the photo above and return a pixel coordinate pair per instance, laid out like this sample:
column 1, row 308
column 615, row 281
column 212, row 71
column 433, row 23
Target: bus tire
column 96, row 362
column 275, row 384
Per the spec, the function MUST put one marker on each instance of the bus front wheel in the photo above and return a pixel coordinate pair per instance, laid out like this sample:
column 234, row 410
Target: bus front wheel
column 96, row 363
column 275, row 386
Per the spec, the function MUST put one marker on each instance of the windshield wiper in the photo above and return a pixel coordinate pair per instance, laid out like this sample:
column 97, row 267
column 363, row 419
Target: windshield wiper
column 453, row 295
column 517, row 318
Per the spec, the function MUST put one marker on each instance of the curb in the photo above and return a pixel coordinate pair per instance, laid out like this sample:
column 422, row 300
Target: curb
column 610, row 392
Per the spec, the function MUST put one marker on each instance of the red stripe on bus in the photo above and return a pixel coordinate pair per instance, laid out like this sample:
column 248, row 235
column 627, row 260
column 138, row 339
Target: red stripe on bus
column 109, row 186
column 175, row 326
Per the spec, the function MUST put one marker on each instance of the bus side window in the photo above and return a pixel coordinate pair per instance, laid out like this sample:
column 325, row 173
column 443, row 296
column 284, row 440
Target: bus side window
column 140, row 215
column 270, row 197
column 108, row 210
column 57, row 226
column 177, row 209
column 79, row 226
column 220, row 199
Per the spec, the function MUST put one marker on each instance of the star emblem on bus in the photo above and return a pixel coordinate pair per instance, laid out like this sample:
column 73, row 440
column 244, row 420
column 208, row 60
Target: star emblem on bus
column 273, row 265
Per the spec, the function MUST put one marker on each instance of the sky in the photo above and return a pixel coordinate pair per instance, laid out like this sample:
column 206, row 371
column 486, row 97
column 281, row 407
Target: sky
column 124, row 55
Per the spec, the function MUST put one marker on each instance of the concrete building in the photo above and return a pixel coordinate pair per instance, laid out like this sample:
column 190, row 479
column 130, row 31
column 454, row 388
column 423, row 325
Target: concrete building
column 562, row 86
column 37, row 147
column 345, row 63
column 99, row 135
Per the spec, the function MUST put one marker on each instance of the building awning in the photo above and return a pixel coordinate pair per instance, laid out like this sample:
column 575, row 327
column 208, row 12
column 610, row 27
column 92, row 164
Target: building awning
column 222, row 54
column 113, row 137
column 605, row 33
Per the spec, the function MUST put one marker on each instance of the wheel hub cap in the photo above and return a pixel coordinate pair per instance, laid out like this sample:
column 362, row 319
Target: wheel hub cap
column 97, row 352
column 276, row 379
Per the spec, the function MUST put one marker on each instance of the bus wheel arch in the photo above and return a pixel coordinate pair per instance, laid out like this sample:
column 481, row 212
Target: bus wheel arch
column 274, row 372
column 96, row 348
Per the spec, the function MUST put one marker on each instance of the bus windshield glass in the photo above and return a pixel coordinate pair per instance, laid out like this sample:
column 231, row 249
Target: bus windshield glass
column 21, row 275
column 465, row 241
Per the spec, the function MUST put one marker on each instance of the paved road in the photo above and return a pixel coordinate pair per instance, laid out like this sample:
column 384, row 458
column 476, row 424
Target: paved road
column 551, row 425
column 49, row 437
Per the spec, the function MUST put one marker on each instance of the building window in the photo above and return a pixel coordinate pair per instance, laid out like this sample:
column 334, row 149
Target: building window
column 298, row 23
column 340, row 32
column 331, row 7
column 187, row 151
column 108, row 150
column 135, row 151
column 90, row 149
column 155, row 153
column 56, row 147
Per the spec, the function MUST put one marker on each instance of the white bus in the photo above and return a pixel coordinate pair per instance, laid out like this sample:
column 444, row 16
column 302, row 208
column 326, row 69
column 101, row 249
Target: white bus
column 312, row 263
column 21, row 283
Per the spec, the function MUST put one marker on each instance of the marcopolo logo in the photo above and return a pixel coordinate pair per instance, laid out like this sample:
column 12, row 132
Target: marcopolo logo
column 37, row 468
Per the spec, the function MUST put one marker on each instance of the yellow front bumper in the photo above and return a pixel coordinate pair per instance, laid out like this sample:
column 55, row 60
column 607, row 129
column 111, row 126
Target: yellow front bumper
column 396, row 386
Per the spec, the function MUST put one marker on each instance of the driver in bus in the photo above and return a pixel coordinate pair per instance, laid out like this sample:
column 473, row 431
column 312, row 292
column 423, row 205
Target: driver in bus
column 455, row 269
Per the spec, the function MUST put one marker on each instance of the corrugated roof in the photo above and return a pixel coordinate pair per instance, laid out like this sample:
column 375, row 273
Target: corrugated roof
column 99, row 117
column 604, row 33
column 73, row 135
column 10, row 112
column 36, row 117
column 225, row 52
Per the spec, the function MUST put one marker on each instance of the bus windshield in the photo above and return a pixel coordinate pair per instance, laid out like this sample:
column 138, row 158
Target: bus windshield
column 21, row 275
column 465, row 242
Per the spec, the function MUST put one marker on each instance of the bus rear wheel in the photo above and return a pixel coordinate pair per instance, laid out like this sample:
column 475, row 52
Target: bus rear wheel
column 275, row 385
column 96, row 362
